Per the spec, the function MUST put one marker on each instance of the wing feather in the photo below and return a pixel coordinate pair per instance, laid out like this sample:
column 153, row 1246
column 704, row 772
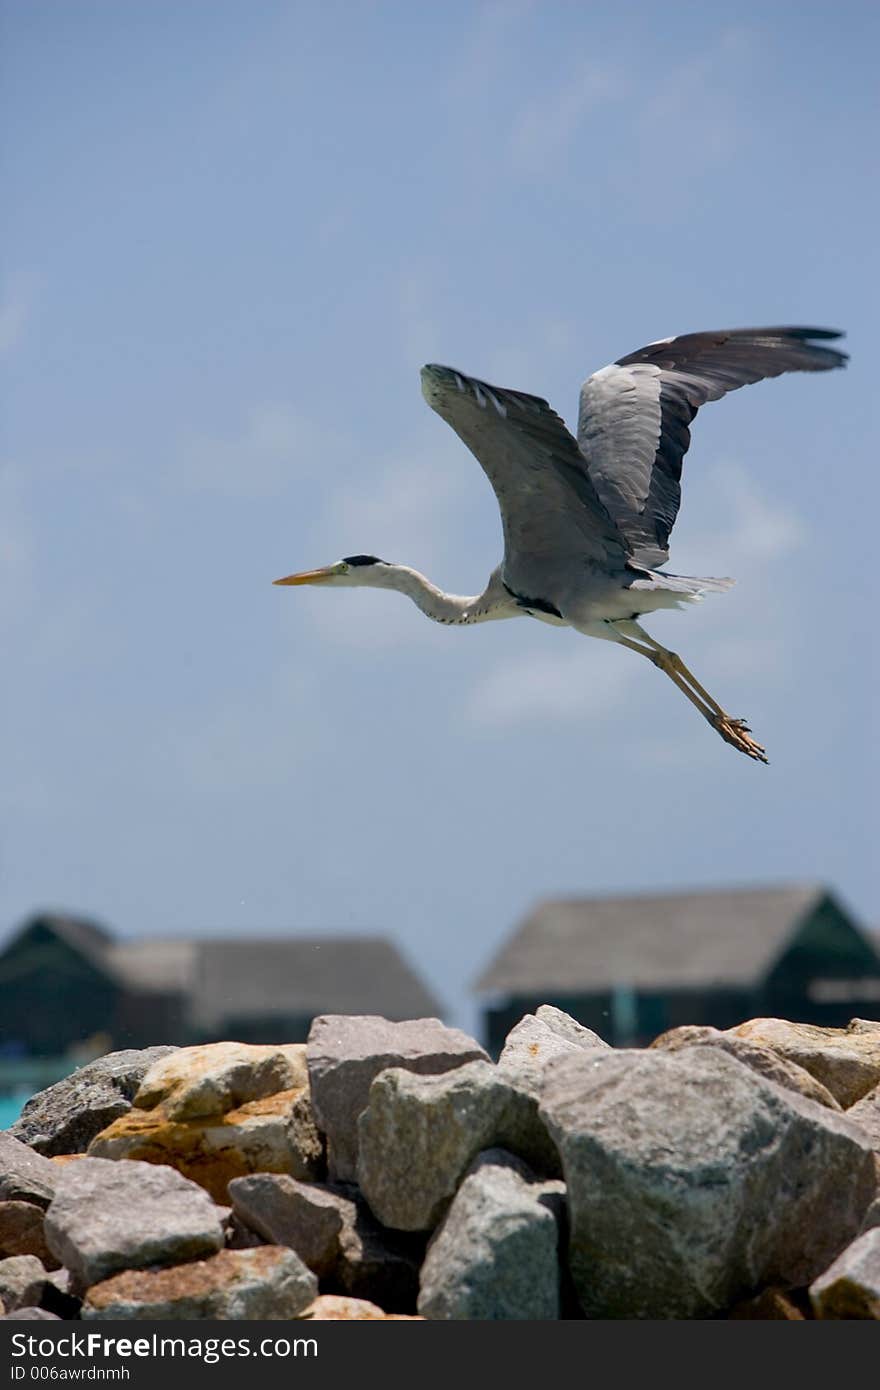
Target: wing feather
column 550, row 510
column 635, row 416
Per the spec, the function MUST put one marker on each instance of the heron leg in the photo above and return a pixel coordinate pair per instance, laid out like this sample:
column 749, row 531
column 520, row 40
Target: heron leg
column 733, row 731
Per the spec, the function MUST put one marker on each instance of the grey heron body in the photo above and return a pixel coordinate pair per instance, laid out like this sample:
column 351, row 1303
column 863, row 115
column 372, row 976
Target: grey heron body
column 586, row 521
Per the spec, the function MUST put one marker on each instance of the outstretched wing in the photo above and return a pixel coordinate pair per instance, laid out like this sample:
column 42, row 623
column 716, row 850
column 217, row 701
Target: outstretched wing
column 634, row 417
column 550, row 510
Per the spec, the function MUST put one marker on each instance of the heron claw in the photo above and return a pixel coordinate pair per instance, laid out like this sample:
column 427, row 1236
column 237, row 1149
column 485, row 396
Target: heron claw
column 737, row 733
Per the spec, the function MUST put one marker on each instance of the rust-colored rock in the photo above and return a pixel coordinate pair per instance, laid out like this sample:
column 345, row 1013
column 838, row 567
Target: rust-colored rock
column 846, row 1060
column 218, row 1077
column 257, row 1137
column 763, row 1060
column 267, row 1282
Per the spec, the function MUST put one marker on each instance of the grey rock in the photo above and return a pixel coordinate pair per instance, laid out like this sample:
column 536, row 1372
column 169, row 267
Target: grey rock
column 373, row 1262
column 760, row 1059
column 22, row 1280
column 871, row 1217
column 268, row 1283
column 306, row 1217
column 552, row 1023
column 692, row 1182
column 496, row 1254
column 25, row 1176
column 419, row 1134
column 850, row 1288
column 110, row 1216
column 531, row 1047
column 344, row 1054
column 239, row 1235
column 65, row 1118
column 866, row 1112
column 30, row 1315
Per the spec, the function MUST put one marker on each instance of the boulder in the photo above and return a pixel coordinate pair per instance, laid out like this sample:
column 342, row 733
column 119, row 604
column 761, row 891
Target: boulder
column 306, row 1217
column 330, row 1307
column 178, row 1117
column 29, row 1315
column 25, row 1176
column 373, row 1263
column 850, row 1287
column 217, row 1077
column 761, row 1059
column 496, row 1254
column 531, row 1046
column 419, row 1134
column 845, row 1060
column 65, row 1117
column 345, row 1052
column 693, row 1182
column 268, row 1283
column 22, row 1280
column 107, row 1217
column 866, row 1112
column 21, row 1232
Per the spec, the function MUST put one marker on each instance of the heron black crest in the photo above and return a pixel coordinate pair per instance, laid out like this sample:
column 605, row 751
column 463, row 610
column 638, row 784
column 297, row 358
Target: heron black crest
column 361, row 560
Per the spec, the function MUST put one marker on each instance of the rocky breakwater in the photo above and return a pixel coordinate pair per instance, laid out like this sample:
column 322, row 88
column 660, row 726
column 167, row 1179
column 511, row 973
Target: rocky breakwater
column 392, row 1170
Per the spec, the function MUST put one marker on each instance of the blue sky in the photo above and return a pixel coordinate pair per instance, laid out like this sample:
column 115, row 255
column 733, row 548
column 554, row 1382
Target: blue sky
column 233, row 234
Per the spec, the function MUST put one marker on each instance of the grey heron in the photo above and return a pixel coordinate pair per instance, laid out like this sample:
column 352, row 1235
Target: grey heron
column 586, row 521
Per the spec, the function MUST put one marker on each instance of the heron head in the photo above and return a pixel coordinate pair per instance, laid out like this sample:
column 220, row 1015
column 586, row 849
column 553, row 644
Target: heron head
column 352, row 571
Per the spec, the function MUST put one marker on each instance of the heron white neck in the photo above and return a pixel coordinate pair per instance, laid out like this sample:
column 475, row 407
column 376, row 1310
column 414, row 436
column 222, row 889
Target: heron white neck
column 441, row 607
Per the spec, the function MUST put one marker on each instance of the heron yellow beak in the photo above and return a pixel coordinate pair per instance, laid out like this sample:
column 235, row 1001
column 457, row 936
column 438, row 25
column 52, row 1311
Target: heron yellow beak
column 313, row 576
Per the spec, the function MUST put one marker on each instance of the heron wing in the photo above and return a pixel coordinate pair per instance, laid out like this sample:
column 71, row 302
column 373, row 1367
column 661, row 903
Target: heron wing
column 550, row 509
column 633, row 424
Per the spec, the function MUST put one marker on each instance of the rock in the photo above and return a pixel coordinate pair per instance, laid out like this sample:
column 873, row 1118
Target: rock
column 304, row 1216
column 866, row 1112
column 418, row 1135
column 496, row 1255
column 58, row 1296
column 693, row 1182
column 240, row 1236
column 25, row 1176
column 21, row 1232
column 329, row 1307
column 846, row 1060
column 544, row 1034
column 30, row 1315
column 65, row 1117
column 269, row 1283
column 374, row 1263
column 108, row 1217
column 531, row 1046
column 218, row 1077
column 770, row 1305
column 761, row 1059
column 345, row 1053
column 850, row 1288
column 872, row 1217
column 22, row 1279
column 266, row 1133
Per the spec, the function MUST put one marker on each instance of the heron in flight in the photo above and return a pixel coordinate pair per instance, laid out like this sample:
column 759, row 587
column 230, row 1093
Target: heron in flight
column 586, row 521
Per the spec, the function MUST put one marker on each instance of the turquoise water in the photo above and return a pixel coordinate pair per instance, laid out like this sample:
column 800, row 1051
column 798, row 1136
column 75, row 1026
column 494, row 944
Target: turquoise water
column 10, row 1108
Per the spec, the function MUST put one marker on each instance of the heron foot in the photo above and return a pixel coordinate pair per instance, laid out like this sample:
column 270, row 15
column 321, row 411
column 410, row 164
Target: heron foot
column 738, row 733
